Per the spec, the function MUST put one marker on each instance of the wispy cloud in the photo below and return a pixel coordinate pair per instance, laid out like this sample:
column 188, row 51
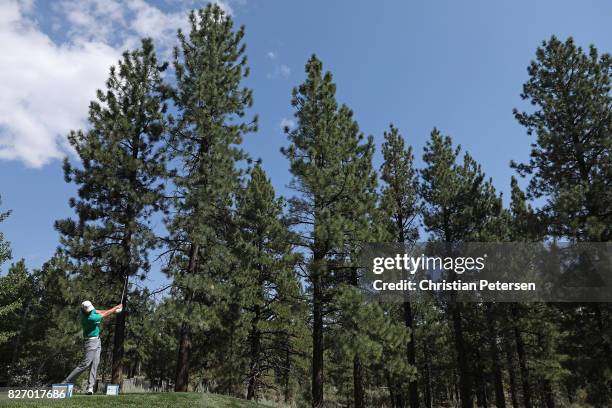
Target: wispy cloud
column 284, row 70
column 121, row 23
column 224, row 4
column 279, row 70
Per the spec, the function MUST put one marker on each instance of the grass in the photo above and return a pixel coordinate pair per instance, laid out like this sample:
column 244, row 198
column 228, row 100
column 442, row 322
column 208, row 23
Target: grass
column 149, row 400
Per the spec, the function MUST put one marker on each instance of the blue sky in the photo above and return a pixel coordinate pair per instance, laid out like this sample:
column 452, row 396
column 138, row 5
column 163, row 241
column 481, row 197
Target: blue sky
column 456, row 65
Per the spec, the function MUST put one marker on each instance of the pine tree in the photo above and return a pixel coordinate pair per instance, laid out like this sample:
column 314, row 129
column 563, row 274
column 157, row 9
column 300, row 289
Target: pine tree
column 13, row 288
column 332, row 174
column 270, row 288
column 55, row 344
column 5, row 248
column 522, row 228
column 210, row 65
column 533, row 328
column 399, row 204
column 160, row 346
column 120, row 183
column 370, row 342
column 24, row 296
column 30, row 357
column 459, row 206
column 571, row 164
column 443, row 213
column 436, row 355
column 571, row 168
column 7, row 286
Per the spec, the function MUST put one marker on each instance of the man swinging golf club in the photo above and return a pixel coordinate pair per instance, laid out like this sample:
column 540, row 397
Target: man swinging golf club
column 90, row 322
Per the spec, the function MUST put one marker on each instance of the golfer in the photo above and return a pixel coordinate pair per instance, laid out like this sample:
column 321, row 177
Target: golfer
column 90, row 322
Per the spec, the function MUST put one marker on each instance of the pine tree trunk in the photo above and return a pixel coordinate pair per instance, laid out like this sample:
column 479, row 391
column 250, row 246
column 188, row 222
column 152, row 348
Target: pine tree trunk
column 480, row 382
column 286, row 372
column 395, row 393
column 118, row 350
column 255, row 337
column 602, row 384
column 465, row 381
column 104, row 364
column 390, row 387
column 127, row 270
column 456, row 395
column 230, row 383
column 181, row 382
column 16, row 347
column 520, row 349
column 427, row 375
column 500, row 398
column 549, row 397
column 481, row 400
column 413, row 391
column 399, row 396
column 182, row 368
column 511, row 374
column 317, row 341
column 546, row 387
column 358, row 393
column 119, row 337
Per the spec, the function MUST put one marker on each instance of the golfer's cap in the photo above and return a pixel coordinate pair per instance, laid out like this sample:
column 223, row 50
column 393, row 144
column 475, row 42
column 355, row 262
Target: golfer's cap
column 87, row 306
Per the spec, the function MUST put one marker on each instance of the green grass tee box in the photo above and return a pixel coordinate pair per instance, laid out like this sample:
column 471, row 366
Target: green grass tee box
column 149, row 400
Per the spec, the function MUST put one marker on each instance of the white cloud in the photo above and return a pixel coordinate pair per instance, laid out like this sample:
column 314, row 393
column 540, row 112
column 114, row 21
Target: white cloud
column 271, row 55
column 152, row 22
column 47, row 86
column 122, row 23
column 286, row 123
column 93, row 20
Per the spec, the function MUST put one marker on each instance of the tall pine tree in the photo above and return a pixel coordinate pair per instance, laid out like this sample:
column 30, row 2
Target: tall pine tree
column 210, row 64
column 120, row 183
column 7, row 285
column 271, row 289
column 459, row 206
column 571, row 164
column 399, row 205
column 571, row 169
column 333, row 176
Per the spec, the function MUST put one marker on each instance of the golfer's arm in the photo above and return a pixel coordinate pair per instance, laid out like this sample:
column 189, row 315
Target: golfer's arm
column 105, row 313
column 110, row 311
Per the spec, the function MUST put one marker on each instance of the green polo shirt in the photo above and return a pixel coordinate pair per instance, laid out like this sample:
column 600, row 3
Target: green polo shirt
column 90, row 322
